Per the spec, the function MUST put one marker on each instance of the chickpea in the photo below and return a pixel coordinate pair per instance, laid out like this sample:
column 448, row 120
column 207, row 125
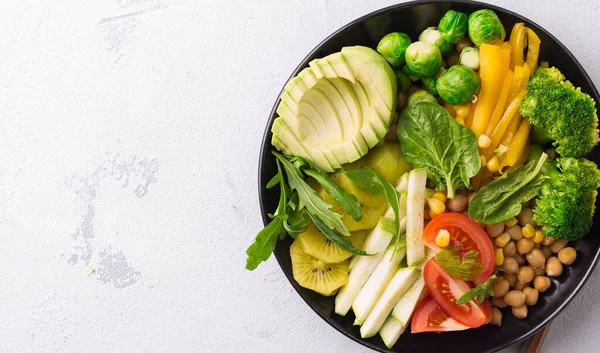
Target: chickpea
column 413, row 89
column 567, row 255
column 520, row 259
column 526, row 274
column 510, row 249
column 496, row 317
column 526, row 217
column 524, row 246
column 500, row 287
column 558, row 245
column 547, row 241
column 554, row 267
column 546, row 251
column 514, row 298
column 457, row 204
column 541, row 283
column 515, row 232
column 531, row 296
column 401, row 102
column 539, row 271
column 520, row 312
column 536, row 258
column 537, row 245
column 470, row 197
column 510, row 265
column 519, row 286
column 461, row 44
column 452, row 59
column 511, row 278
column 494, row 229
column 499, row 303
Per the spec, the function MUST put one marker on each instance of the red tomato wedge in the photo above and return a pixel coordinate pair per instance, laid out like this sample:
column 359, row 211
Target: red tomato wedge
column 488, row 311
column 467, row 234
column 430, row 317
column 446, row 290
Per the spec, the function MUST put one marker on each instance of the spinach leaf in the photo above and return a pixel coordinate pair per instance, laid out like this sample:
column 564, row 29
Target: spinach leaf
column 430, row 138
column 331, row 235
column 367, row 178
column 502, row 198
column 266, row 239
column 307, row 198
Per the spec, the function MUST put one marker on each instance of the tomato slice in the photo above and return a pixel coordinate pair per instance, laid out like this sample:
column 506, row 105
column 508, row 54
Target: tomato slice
column 488, row 311
column 446, row 290
column 467, row 234
column 430, row 317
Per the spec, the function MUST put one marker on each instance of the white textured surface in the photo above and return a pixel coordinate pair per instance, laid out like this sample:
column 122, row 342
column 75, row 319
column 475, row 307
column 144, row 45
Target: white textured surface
column 130, row 132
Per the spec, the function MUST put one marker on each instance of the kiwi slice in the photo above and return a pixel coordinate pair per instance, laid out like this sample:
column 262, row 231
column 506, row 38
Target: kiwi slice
column 315, row 244
column 315, row 274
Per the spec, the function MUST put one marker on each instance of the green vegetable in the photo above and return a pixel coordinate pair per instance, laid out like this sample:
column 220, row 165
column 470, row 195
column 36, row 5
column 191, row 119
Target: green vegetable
column 421, row 96
column 433, row 36
column 469, row 57
column 345, row 199
column 393, row 48
column 334, row 237
column 429, row 83
column 453, row 26
column 565, row 208
column 411, row 74
column 365, row 177
column 266, row 239
column 430, row 138
column 485, row 27
column 478, row 293
column 402, row 80
column 424, row 59
column 458, row 85
column 502, row 198
column 466, row 267
column 560, row 113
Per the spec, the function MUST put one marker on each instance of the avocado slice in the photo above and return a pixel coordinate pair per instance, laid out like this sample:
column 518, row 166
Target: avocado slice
column 336, row 109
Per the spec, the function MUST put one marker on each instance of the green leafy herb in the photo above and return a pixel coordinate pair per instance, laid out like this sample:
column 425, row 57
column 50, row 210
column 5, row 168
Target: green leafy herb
column 345, row 199
column 478, row 293
column 331, row 235
column 430, row 138
column 297, row 221
column 307, row 198
column 365, row 177
column 501, row 199
column 265, row 241
column 466, row 267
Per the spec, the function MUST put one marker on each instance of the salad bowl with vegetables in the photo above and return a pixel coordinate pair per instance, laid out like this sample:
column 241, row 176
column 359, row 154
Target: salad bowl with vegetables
column 428, row 179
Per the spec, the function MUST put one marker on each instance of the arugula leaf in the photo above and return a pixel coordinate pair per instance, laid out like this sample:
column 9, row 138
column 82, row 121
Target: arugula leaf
column 430, row 138
column 466, row 267
column 307, row 198
column 367, row 178
column 265, row 241
column 345, row 199
column 297, row 221
column 340, row 241
column 478, row 293
column 502, row 198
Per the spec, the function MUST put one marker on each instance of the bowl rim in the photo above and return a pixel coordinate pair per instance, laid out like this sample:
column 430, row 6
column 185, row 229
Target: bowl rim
column 266, row 145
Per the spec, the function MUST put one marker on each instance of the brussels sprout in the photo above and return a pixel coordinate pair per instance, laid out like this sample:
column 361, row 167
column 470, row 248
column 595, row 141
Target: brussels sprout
column 458, row 85
column 469, row 57
column 430, row 82
column 485, row 27
column 393, row 47
column 421, row 96
column 410, row 73
column 402, row 80
column 424, row 59
column 433, row 36
column 453, row 26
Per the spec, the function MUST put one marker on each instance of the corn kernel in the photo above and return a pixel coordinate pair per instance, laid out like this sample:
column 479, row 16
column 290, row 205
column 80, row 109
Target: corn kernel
column 436, row 206
column 463, row 111
column 538, row 237
column 432, row 214
column 502, row 240
column 493, row 164
column 511, row 222
column 528, row 231
column 461, row 121
column 443, row 238
column 483, row 161
column 499, row 257
column 484, row 141
column 440, row 196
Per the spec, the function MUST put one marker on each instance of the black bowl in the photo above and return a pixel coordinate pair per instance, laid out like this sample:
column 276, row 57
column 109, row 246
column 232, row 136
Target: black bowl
column 412, row 18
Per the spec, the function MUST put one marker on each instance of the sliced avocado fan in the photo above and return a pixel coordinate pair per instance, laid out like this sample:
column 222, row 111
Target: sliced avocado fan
column 332, row 112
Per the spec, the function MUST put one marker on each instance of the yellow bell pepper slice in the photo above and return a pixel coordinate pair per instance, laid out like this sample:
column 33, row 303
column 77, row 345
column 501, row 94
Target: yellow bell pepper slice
column 516, row 146
column 518, row 41
column 533, row 49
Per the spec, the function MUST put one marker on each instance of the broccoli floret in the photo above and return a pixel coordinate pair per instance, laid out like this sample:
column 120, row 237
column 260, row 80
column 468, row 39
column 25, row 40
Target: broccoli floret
column 561, row 113
column 566, row 205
